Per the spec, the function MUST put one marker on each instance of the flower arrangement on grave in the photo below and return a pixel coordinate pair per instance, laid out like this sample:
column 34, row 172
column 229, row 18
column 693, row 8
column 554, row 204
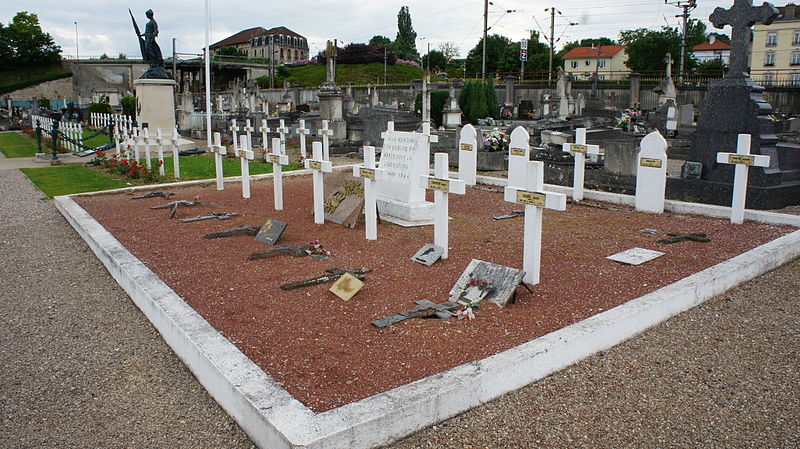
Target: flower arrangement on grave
column 625, row 121
column 496, row 140
column 505, row 113
column 477, row 290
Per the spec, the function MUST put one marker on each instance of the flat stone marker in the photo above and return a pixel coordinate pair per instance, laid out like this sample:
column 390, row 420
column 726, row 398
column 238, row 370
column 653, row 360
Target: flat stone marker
column 651, row 174
column 468, row 155
column 425, row 308
column 245, row 154
column 635, row 256
column 535, row 200
column 504, row 282
column 319, row 166
column 428, row 254
column 346, row 286
column 519, row 152
column 278, row 159
column 743, row 160
column 579, row 150
column 442, row 187
column 370, row 175
column 219, row 150
column 271, row 231
column 302, row 131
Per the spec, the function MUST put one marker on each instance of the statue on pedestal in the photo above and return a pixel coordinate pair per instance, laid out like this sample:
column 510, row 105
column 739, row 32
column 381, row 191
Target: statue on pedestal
column 151, row 52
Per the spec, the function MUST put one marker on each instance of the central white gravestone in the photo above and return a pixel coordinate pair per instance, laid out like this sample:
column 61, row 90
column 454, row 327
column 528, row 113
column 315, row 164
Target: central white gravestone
column 468, row 154
column 519, row 152
column 651, row 174
column 404, row 157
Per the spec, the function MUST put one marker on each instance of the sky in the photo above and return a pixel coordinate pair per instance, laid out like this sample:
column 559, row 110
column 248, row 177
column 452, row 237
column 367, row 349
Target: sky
column 105, row 26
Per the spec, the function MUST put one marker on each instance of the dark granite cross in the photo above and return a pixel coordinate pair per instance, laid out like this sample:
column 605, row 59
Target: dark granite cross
column 741, row 16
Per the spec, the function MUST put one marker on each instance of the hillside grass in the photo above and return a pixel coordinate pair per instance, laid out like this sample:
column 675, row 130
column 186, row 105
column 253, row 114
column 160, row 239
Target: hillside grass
column 16, row 78
column 313, row 75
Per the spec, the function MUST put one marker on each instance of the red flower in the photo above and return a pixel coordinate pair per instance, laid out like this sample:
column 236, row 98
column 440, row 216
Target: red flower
column 113, row 162
column 160, row 162
column 484, row 282
column 144, row 171
column 291, row 143
column 100, row 153
column 135, row 162
column 473, row 281
column 124, row 162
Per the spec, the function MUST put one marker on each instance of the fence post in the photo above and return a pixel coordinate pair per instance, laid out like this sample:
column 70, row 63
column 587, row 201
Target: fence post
column 54, row 135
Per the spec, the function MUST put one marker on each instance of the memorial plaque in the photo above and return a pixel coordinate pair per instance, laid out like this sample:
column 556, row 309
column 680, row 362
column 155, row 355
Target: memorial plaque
column 439, row 184
column 346, row 286
column 405, row 157
column 466, row 147
column 271, row 231
column 315, row 165
column 275, row 158
column 532, row 198
column 517, row 152
column 576, row 148
column 503, row 282
column 649, row 162
column 428, row 254
column 635, row 256
column 739, row 159
column 366, row 173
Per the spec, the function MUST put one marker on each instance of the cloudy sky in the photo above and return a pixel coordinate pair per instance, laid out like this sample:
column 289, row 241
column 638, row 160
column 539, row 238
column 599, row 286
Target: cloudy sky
column 104, row 26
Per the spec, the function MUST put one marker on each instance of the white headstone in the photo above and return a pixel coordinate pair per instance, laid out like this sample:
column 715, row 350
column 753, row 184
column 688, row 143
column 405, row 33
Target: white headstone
column 535, row 200
column 278, row 159
column 519, row 150
column 442, row 185
column 743, row 160
column 651, row 174
column 579, row 150
column 318, row 165
column 468, row 155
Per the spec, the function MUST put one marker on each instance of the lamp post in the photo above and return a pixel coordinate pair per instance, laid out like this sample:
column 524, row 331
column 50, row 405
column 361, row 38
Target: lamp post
column 77, row 51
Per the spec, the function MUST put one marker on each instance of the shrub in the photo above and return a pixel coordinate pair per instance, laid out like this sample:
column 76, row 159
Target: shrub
column 100, row 108
column 438, row 101
column 44, row 103
column 128, row 105
column 478, row 100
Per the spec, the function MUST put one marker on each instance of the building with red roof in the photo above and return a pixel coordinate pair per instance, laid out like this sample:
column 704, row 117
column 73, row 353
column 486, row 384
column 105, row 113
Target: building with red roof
column 716, row 49
column 607, row 60
column 256, row 42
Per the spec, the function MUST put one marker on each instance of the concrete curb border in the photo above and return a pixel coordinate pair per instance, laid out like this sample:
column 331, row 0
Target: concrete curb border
column 274, row 419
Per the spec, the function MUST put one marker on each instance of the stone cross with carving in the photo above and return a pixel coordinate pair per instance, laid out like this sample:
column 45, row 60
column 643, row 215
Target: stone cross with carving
column 668, row 61
column 741, row 16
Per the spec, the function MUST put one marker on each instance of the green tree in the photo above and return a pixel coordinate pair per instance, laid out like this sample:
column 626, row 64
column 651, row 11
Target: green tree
column 434, row 59
column 230, row 50
column 405, row 44
column 104, row 56
column 122, row 56
column 646, row 48
column 22, row 42
column 380, row 41
column 495, row 45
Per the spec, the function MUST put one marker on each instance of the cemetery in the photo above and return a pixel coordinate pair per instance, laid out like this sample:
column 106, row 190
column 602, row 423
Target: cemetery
column 370, row 271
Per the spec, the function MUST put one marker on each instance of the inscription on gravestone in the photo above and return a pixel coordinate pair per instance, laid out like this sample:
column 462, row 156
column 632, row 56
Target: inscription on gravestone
column 271, row 231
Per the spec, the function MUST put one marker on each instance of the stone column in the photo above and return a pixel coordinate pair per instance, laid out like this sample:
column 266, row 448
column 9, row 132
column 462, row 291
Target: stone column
column 510, row 89
column 636, row 85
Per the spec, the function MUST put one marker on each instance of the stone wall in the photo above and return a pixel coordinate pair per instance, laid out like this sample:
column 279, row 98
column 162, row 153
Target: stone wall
column 53, row 90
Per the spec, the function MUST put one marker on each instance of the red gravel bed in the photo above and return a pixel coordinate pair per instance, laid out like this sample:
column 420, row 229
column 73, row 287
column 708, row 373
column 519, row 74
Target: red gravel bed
column 325, row 352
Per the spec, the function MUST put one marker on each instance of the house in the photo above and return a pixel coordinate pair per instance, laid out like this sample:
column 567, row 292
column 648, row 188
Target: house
column 287, row 46
column 715, row 49
column 608, row 60
column 775, row 53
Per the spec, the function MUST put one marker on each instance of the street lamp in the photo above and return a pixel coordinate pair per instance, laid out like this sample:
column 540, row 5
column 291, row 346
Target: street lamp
column 77, row 52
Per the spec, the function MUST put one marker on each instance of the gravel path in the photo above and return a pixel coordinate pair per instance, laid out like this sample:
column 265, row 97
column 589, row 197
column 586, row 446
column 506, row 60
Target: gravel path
column 81, row 367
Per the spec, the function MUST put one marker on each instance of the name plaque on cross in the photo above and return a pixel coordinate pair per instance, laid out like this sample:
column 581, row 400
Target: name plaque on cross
column 517, row 151
column 738, row 159
column 366, row 173
column 532, row 198
column 649, row 162
column 439, row 184
column 578, row 148
column 315, row 165
column 466, row 147
column 274, row 158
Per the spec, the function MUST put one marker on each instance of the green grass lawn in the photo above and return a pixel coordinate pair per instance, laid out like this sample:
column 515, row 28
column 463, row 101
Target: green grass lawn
column 201, row 167
column 314, row 74
column 17, row 145
column 68, row 179
column 102, row 139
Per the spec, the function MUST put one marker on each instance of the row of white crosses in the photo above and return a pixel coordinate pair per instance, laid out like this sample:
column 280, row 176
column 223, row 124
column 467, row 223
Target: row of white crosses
column 141, row 139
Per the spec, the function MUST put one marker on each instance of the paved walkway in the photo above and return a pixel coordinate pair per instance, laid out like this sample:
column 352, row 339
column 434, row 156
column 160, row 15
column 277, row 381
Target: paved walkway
column 82, row 367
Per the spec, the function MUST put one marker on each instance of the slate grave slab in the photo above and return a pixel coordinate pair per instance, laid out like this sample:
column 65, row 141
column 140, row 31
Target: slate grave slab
column 428, row 254
column 504, row 280
column 271, row 231
column 635, row 256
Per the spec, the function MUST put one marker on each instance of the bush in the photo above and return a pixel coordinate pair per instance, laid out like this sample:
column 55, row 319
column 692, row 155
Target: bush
column 438, row 102
column 100, row 108
column 128, row 105
column 44, row 103
column 478, row 100
column 364, row 54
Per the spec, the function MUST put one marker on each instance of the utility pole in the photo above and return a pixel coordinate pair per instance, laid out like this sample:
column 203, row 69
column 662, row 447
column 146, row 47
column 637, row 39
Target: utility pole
column 687, row 6
column 271, row 61
column 77, row 52
column 174, row 61
column 384, row 64
column 553, row 12
column 485, row 30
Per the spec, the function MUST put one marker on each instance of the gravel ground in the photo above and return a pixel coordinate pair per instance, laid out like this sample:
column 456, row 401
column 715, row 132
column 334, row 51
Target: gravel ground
column 83, row 368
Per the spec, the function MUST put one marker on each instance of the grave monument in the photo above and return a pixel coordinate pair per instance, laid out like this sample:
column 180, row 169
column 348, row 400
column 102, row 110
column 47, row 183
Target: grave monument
column 155, row 90
column 735, row 105
column 331, row 98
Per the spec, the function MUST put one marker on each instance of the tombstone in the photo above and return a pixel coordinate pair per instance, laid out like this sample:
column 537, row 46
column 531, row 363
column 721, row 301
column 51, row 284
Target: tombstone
column 666, row 90
column 504, row 282
column 545, row 102
column 264, row 130
column 686, row 114
column 319, row 166
column 442, row 186
column 405, row 157
column 468, row 155
column 580, row 104
column 219, row 150
column 330, row 96
column 147, row 143
column 651, row 175
column 282, row 130
column 370, row 175
column 743, row 161
column 579, row 150
column 532, row 195
column 245, row 153
column 525, row 111
column 519, row 150
column 452, row 113
column 278, row 159
column 428, row 254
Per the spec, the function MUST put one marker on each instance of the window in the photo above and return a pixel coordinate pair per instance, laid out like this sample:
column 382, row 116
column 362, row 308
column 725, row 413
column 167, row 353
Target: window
column 794, row 80
column 769, row 58
column 768, row 77
column 796, row 57
column 601, row 63
column 573, row 64
column 772, row 39
column 281, row 54
column 796, row 39
column 588, row 62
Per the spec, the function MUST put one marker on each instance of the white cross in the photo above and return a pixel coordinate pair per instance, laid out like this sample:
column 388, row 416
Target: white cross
column 245, row 153
column 743, row 160
column 234, row 129
column 249, row 130
column 283, row 131
column 118, row 133
column 319, row 166
column 264, row 130
column 535, row 200
column 147, row 147
column 370, row 174
column 442, row 185
column 219, row 150
column 468, row 154
column 519, row 150
column 325, row 133
column 136, row 140
column 579, row 149
column 651, row 174
column 278, row 160
column 302, row 131
column 426, row 129
column 176, row 157
column 160, row 143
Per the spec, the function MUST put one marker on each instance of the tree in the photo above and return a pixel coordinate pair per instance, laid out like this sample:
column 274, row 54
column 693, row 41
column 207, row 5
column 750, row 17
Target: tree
column 434, row 59
column 104, row 56
column 449, row 50
column 646, row 48
column 380, row 41
column 230, row 50
column 122, row 56
column 495, row 45
column 22, row 42
column 538, row 56
column 405, row 44
column 364, row 54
